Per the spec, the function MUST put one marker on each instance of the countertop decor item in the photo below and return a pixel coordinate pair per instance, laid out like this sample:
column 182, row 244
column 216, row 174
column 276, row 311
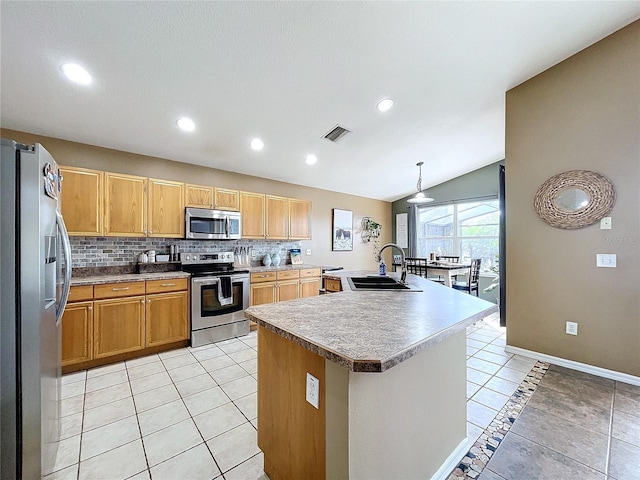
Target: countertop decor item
column 266, row 260
column 275, row 259
column 574, row 199
column 370, row 229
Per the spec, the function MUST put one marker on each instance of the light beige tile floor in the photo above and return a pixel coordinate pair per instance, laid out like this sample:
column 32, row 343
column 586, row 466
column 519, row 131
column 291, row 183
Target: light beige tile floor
column 192, row 413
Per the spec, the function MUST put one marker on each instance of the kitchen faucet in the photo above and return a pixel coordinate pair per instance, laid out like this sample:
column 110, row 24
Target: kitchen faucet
column 403, row 266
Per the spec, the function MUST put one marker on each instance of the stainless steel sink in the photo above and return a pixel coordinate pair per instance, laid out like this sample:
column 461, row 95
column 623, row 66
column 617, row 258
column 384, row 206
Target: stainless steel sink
column 379, row 283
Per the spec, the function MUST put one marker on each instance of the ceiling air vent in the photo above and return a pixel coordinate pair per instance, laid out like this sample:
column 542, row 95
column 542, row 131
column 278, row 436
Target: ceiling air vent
column 337, row 134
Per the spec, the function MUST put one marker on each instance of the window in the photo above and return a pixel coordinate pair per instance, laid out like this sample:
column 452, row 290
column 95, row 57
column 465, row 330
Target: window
column 468, row 230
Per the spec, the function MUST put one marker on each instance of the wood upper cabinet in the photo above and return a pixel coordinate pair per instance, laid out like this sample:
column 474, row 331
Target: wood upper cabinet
column 277, row 218
column 125, row 204
column 299, row 219
column 77, row 333
column 252, row 210
column 198, row 196
column 225, row 199
column 166, row 318
column 118, row 326
column 166, row 209
column 81, row 200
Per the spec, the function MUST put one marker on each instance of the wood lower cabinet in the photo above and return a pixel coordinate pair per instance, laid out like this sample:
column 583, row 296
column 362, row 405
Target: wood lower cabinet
column 287, row 290
column 118, row 326
column 332, row 285
column 198, row 196
column 310, row 287
column 81, row 201
column 166, row 318
column 262, row 293
column 77, row 333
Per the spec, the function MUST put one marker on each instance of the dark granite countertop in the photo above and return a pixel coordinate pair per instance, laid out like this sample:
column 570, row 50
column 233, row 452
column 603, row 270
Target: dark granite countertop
column 288, row 266
column 372, row 331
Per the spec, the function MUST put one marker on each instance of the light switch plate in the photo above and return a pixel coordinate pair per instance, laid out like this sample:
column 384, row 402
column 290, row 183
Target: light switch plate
column 605, row 223
column 313, row 390
column 308, row 251
column 607, row 260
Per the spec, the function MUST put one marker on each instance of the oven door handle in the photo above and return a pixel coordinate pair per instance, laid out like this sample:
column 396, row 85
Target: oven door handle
column 205, row 281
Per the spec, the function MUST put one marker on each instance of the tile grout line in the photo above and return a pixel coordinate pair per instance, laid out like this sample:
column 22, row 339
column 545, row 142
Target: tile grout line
column 609, row 439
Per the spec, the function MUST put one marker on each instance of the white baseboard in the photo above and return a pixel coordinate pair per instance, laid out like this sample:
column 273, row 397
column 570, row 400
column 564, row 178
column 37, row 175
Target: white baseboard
column 581, row 367
column 452, row 461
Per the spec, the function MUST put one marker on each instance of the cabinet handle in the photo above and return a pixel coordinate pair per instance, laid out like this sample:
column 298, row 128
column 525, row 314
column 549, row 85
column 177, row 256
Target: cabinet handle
column 148, row 301
column 89, row 308
column 142, row 301
column 120, row 289
column 168, row 285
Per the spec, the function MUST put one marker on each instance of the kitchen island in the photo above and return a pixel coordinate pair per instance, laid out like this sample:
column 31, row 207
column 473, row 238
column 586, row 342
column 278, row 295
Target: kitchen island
column 391, row 367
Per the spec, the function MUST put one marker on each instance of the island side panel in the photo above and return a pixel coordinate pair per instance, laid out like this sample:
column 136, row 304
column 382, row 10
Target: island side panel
column 337, row 420
column 407, row 421
column 291, row 432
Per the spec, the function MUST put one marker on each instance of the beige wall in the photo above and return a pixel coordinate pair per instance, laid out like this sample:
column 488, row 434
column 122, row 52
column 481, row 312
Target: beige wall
column 87, row 156
column 583, row 113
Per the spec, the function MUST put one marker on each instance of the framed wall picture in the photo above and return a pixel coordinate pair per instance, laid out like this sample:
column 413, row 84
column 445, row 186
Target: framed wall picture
column 342, row 230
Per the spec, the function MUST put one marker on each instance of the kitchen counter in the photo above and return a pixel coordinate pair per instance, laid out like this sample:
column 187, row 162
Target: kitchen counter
column 288, row 266
column 390, row 370
column 372, row 331
column 126, row 277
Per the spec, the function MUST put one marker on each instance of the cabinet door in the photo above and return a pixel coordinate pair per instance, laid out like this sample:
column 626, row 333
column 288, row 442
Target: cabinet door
column 125, row 205
column 166, row 209
column 81, row 200
column 77, row 333
column 287, row 290
column 225, row 199
column 166, row 318
column 263, row 293
column 309, row 287
column 299, row 219
column 198, row 196
column 118, row 326
column 252, row 210
column 277, row 218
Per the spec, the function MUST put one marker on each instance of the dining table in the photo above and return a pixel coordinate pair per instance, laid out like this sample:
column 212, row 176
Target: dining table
column 447, row 270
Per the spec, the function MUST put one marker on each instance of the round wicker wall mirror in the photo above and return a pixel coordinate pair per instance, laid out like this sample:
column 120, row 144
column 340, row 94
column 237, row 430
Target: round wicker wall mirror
column 574, row 199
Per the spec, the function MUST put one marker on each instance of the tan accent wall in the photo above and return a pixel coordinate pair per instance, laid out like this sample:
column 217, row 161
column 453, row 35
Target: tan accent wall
column 88, row 156
column 583, row 113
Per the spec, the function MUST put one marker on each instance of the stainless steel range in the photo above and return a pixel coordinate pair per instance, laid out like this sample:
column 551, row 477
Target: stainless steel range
column 219, row 296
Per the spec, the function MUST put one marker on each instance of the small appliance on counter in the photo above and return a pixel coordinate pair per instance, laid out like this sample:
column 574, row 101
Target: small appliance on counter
column 219, row 296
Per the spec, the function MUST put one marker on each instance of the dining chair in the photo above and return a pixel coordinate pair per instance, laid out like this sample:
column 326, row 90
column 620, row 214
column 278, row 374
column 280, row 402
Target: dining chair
column 417, row 266
column 472, row 278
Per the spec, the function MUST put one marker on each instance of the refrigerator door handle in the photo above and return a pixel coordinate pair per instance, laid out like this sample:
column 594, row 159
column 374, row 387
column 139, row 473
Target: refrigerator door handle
column 66, row 244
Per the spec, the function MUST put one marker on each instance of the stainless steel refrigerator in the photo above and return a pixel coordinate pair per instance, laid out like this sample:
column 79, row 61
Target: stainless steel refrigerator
column 34, row 287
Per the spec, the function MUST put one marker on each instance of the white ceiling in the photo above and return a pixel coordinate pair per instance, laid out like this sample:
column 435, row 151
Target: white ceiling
column 288, row 72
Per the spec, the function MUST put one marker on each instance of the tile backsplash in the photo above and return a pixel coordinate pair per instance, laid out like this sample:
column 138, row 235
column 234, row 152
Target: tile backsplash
column 115, row 251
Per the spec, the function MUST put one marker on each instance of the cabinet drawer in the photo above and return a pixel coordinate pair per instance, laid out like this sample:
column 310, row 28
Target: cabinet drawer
column 309, row 272
column 166, row 285
column 263, row 277
column 286, row 274
column 81, row 292
column 332, row 285
column 114, row 290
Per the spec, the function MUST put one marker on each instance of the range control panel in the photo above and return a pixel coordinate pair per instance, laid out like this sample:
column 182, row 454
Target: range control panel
column 206, row 257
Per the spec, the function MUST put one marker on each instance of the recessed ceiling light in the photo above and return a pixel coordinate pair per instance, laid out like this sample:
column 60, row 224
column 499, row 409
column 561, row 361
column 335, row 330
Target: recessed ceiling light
column 311, row 159
column 186, row 124
column 257, row 144
column 76, row 73
column 384, row 105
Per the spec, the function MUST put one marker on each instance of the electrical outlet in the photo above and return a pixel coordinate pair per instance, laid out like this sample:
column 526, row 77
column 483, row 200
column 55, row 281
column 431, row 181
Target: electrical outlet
column 308, row 251
column 313, row 390
column 572, row 328
column 253, row 253
column 605, row 223
column 607, row 260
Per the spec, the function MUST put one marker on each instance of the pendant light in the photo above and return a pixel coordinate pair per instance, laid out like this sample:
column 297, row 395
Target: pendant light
column 420, row 197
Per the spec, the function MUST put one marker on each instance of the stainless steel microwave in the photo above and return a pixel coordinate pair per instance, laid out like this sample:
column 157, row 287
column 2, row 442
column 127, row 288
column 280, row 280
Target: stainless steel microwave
column 207, row 224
